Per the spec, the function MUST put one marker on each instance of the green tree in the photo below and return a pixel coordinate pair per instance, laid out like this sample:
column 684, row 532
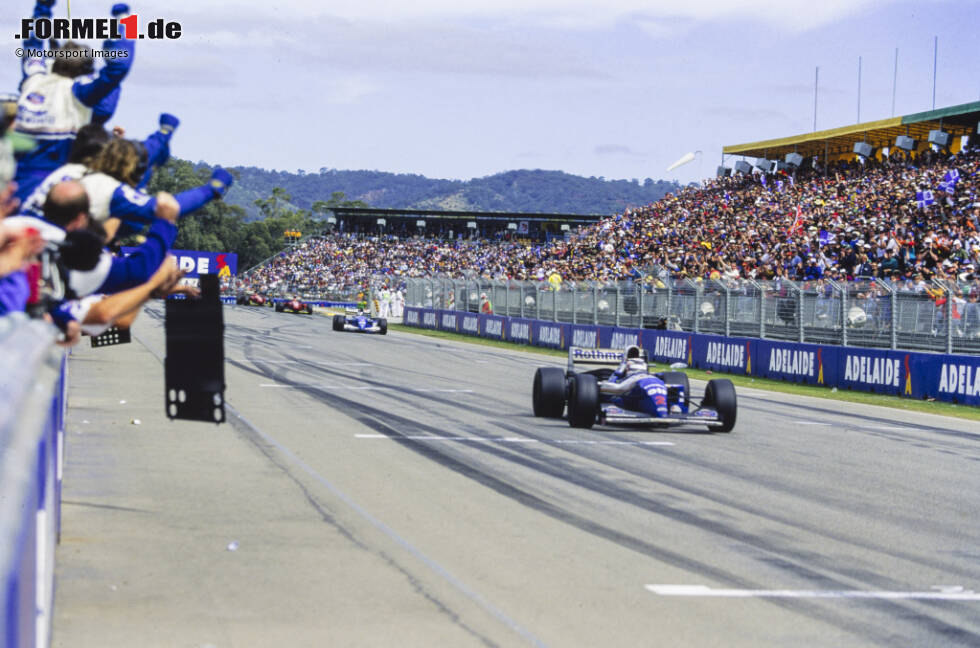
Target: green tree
column 275, row 205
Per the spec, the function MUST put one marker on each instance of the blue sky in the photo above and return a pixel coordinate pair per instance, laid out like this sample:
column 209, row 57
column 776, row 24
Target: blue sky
column 468, row 88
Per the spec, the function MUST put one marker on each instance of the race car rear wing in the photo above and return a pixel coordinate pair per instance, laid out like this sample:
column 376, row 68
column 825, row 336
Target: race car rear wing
column 579, row 357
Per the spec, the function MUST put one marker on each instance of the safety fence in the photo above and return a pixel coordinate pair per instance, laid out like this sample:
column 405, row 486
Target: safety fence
column 304, row 288
column 873, row 313
column 940, row 376
column 230, row 299
column 33, row 387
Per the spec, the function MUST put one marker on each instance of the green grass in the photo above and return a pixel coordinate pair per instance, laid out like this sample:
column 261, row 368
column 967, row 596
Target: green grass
column 864, row 398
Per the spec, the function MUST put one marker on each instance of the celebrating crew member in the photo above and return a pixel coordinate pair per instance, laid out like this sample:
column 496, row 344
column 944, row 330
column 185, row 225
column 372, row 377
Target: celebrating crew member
column 89, row 142
column 55, row 103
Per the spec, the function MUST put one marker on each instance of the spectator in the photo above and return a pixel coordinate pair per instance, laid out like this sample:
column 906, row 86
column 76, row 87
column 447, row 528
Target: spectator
column 55, row 103
column 485, row 306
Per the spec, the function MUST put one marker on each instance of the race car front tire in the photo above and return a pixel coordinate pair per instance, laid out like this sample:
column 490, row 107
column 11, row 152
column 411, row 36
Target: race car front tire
column 338, row 322
column 583, row 401
column 280, row 308
column 719, row 395
column 678, row 378
column 548, row 393
column 383, row 326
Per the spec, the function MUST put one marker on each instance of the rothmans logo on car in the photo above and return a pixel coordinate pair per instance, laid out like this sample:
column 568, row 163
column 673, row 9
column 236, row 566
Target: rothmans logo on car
column 597, row 354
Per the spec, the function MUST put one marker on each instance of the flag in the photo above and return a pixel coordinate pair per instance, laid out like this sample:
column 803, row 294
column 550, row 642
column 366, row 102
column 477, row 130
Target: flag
column 949, row 181
column 779, row 185
column 924, row 198
column 762, row 179
column 797, row 223
column 826, row 238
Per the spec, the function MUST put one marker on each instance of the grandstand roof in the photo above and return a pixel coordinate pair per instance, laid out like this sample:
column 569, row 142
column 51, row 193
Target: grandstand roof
column 465, row 215
column 956, row 120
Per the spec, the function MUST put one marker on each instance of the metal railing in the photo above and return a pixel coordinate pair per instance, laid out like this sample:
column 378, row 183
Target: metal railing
column 943, row 317
column 302, row 288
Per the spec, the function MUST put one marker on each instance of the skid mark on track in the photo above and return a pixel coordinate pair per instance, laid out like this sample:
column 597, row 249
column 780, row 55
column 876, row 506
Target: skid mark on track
column 938, row 593
column 463, row 439
column 412, row 390
column 280, row 456
column 384, row 422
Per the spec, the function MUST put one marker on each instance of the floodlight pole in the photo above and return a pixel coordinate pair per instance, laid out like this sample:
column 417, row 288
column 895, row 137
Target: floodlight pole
column 859, row 91
column 935, row 59
column 894, row 82
column 816, row 81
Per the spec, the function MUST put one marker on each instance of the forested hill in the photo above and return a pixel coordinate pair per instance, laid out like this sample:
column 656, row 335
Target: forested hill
column 520, row 191
column 262, row 205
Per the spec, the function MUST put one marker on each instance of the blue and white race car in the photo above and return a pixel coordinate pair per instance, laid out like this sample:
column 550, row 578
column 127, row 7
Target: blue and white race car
column 612, row 387
column 358, row 322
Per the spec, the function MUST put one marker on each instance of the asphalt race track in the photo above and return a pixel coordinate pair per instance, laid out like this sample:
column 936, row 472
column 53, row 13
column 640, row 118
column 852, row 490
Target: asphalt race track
column 396, row 491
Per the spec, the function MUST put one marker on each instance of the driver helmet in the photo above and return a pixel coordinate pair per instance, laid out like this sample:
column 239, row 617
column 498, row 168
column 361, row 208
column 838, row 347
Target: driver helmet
column 635, row 365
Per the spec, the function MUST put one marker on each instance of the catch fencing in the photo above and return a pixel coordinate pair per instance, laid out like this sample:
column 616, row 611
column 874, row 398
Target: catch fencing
column 872, row 313
column 32, row 414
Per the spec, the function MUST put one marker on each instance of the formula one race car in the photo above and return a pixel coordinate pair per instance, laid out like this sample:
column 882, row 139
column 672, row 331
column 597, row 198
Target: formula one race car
column 294, row 306
column 612, row 387
column 358, row 322
column 252, row 299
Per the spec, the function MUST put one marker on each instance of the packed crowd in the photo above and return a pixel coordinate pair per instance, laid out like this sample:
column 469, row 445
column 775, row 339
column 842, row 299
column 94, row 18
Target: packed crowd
column 340, row 263
column 904, row 220
column 70, row 188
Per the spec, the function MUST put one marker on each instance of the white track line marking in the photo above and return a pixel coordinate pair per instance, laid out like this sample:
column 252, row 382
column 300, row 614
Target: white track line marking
column 426, row 437
column 810, row 423
column 941, row 593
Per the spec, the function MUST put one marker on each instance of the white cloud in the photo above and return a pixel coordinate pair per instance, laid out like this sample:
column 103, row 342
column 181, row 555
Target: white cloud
column 615, row 149
column 350, row 89
column 797, row 15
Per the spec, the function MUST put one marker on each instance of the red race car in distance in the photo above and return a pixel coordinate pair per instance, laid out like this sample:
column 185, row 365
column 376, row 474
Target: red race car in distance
column 294, row 306
column 252, row 299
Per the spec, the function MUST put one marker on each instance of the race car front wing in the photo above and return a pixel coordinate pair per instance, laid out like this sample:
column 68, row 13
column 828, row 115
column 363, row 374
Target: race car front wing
column 374, row 328
column 611, row 415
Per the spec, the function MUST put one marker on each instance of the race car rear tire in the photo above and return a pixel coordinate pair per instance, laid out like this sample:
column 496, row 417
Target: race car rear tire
column 679, row 378
column 280, row 308
column 548, row 393
column 719, row 395
column 383, row 326
column 338, row 322
column 583, row 401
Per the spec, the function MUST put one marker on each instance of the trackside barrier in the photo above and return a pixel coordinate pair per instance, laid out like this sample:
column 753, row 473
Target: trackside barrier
column 325, row 304
column 32, row 413
column 944, row 377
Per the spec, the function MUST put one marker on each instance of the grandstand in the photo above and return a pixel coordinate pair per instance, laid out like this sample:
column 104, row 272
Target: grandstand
column 451, row 224
column 847, row 217
column 838, row 143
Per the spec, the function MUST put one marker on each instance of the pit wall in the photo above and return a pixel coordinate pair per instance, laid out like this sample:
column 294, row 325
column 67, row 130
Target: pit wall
column 951, row 378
